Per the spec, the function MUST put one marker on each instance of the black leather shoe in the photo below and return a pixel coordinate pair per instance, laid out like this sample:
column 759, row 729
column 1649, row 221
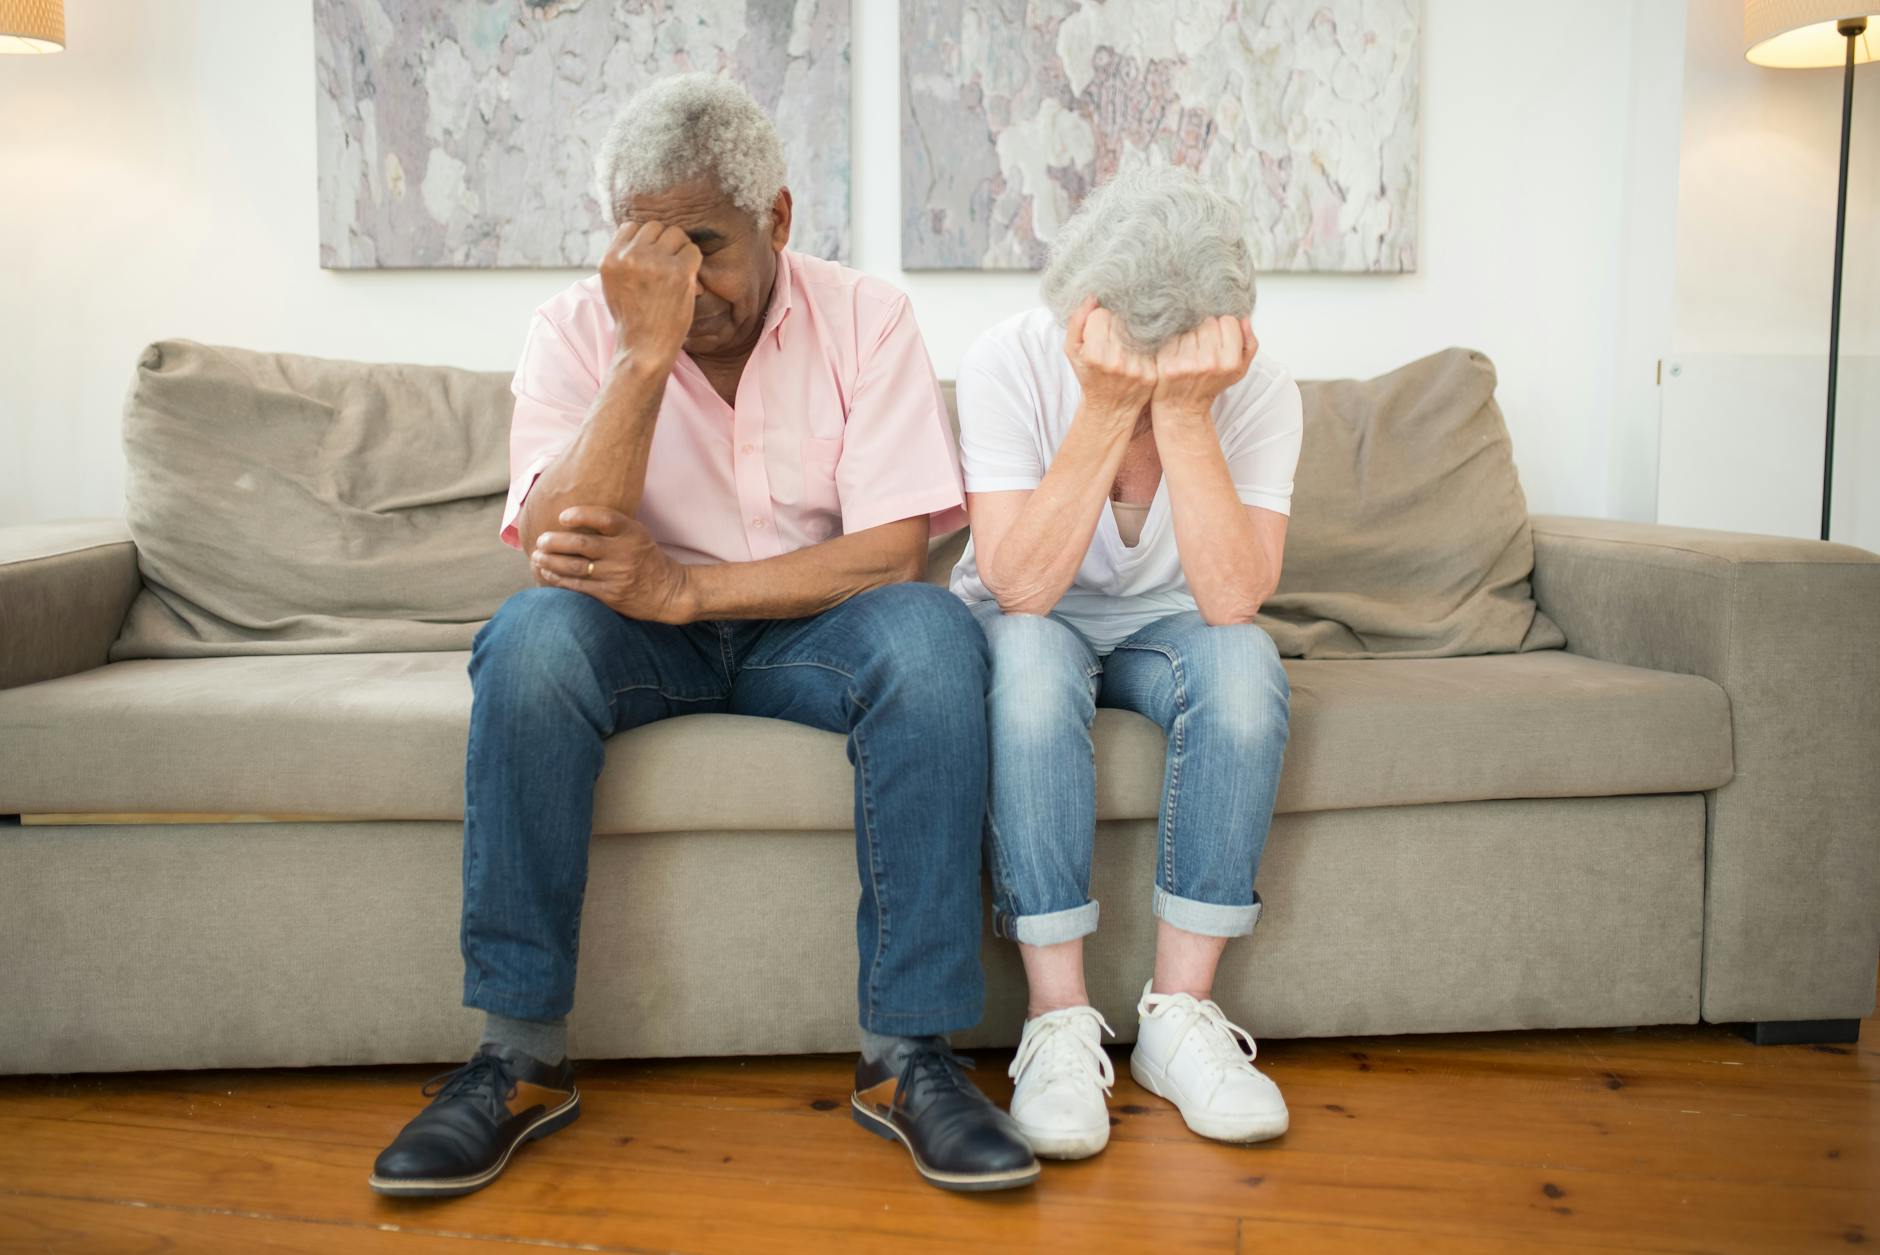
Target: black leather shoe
column 480, row 1113
column 958, row 1139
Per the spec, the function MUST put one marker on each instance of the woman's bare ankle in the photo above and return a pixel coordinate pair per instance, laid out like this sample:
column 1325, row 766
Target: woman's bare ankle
column 1054, row 977
column 1044, row 1006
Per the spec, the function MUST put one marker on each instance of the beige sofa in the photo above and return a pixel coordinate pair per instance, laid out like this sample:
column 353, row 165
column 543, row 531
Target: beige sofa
column 1672, row 819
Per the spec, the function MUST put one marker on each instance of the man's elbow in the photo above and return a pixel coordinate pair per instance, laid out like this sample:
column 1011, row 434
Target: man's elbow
column 893, row 564
column 911, row 569
column 529, row 526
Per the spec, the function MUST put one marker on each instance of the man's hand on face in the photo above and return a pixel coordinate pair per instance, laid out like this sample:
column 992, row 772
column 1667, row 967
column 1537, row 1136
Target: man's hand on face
column 1116, row 380
column 1197, row 366
column 650, row 279
column 611, row 557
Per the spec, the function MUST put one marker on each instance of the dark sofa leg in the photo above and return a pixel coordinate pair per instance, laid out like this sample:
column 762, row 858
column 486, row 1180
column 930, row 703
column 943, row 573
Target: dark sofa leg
column 1802, row 1032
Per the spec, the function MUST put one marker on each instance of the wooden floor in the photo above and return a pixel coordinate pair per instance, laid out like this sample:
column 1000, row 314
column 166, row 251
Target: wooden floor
column 1658, row 1139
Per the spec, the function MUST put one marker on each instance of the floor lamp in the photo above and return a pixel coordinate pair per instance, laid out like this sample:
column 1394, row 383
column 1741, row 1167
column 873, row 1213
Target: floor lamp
column 1813, row 34
column 32, row 25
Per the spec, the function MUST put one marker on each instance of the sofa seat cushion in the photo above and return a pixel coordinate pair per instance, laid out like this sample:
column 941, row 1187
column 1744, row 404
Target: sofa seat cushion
column 381, row 736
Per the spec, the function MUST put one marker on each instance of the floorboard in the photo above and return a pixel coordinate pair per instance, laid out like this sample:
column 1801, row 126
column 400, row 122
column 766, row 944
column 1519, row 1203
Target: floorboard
column 1663, row 1139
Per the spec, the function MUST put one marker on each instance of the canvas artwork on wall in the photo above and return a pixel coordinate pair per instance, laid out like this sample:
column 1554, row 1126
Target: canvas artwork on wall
column 462, row 133
column 1306, row 109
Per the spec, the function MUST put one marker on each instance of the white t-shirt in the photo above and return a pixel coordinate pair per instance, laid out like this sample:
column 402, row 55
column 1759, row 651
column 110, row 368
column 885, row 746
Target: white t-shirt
column 1017, row 396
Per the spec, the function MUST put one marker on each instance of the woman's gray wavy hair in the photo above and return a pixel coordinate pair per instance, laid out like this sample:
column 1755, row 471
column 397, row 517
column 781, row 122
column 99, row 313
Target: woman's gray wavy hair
column 1160, row 249
column 688, row 126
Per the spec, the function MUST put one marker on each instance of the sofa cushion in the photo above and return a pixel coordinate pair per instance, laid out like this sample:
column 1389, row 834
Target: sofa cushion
column 1409, row 535
column 285, row 504
column 296, row 505
column 382, row 736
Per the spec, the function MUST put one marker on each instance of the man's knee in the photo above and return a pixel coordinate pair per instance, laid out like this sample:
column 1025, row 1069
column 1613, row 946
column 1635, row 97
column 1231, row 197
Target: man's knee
column 926, row 630
column 545, row 632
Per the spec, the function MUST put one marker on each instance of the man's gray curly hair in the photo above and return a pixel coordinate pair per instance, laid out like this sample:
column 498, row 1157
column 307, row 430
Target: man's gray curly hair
column 1160, row 249
column 684, row 127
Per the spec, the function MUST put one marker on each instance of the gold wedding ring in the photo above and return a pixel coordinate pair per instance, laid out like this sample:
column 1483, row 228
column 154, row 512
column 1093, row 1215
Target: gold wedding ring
column 590, row 570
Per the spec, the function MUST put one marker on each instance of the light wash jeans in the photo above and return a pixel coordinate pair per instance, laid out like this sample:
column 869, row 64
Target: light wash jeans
column 900, row 670
column 1220, row 695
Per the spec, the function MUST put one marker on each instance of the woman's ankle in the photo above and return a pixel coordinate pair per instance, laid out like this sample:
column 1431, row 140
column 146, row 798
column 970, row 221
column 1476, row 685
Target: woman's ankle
column 1054, row 977
column 1185, row 962
column 1037, row 1007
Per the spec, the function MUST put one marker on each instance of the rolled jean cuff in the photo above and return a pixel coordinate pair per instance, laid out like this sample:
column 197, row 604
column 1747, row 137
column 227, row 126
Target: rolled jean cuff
column 1048, row 929
column 1207, row 919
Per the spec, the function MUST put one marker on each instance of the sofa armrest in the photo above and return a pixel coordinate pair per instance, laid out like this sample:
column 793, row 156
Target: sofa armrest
column 64, row 591
column 1791, row 631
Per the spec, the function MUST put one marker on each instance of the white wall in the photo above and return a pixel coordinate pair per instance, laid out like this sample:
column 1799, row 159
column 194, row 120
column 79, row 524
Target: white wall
column 1745, row 412
column 160, row 182
column 1647, row 260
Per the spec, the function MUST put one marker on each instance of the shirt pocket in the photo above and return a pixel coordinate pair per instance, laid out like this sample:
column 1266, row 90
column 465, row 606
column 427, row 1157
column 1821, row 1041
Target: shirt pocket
column 820, row 458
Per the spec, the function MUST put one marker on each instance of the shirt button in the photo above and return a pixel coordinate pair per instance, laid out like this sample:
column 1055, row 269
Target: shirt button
column 749, row 448
column 757, row 522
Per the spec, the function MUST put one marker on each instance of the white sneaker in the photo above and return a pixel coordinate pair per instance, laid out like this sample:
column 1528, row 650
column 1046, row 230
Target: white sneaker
column 1063, row 1078
column 1190, row 1053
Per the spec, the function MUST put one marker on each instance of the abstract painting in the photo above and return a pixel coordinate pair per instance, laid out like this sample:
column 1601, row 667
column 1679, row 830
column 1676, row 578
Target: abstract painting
column 1306, row 110
column 462, row 133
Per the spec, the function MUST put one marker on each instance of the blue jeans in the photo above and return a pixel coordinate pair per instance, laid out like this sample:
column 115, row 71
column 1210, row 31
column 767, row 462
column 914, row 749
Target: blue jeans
column 900, row 669
column 1220, row 695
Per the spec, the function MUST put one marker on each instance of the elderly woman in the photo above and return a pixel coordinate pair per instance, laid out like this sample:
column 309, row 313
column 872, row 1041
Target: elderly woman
column 1129, row 461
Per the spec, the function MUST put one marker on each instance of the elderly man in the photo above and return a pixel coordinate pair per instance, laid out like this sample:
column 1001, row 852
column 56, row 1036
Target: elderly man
column 1129, row 462
column 727, row 458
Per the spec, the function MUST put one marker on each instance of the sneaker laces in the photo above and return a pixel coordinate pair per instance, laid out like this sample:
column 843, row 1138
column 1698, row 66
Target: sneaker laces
column 1221, row 1040
column 1060, row 1050
column 487, row 1078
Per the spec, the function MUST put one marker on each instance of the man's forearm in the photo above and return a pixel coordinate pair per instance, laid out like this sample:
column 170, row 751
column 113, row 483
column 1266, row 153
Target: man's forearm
column 1219, row 548
column 606, row 464
column 1037, row 558
column 808, row 581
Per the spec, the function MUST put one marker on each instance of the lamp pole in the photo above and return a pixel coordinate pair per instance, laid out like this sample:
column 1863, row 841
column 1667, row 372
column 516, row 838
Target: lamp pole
column 1851, row 28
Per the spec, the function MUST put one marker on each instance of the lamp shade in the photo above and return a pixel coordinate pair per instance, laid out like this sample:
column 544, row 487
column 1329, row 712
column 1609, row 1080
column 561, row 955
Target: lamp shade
column 32, row 25
column 1801, row 34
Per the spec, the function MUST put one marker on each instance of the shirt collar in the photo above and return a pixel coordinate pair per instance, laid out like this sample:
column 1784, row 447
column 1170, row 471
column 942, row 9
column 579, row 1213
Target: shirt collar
column 782, row 296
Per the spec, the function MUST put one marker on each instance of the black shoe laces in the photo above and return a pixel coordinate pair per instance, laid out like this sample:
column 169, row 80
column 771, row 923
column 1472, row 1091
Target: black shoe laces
column 935, row 1063
column 488, row 1079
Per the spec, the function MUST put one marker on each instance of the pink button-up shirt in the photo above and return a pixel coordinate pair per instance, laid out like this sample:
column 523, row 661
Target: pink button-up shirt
column 839, row 424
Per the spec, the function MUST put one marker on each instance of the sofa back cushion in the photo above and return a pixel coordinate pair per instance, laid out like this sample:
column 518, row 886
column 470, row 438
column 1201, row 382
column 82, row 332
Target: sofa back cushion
column 1409, row 534
column 290, row 505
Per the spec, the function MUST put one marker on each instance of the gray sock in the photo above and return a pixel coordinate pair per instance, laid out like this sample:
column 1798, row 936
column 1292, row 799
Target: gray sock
column 545, row 1041
column 877, row 1047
